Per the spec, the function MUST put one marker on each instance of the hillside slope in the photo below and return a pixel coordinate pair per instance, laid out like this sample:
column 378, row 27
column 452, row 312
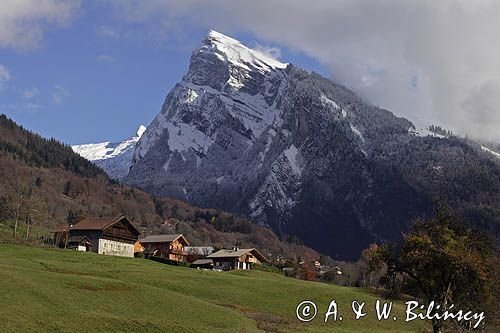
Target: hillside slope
column 67, row 291
column 47, row 182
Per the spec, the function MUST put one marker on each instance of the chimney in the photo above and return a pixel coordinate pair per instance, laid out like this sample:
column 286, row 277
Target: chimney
column 235, row 248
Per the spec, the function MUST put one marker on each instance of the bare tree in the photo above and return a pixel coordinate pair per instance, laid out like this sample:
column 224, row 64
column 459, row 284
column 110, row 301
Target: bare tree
column 17, row 196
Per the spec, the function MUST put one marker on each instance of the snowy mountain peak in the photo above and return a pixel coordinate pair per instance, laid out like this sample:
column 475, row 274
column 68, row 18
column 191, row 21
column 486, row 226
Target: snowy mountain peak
column 215, row 35
column 231, row 51
column 228, row 86
column 226, row 65
column 113, row 157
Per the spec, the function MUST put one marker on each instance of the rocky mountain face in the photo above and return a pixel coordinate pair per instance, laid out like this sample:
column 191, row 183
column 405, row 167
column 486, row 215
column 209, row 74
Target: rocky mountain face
column 114, row 158
column 304, row 155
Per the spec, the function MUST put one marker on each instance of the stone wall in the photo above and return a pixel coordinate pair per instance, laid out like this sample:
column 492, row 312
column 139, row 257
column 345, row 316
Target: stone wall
column 114, row 248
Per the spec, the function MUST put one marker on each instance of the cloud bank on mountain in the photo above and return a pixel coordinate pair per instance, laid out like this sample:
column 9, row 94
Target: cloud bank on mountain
column 432, row 61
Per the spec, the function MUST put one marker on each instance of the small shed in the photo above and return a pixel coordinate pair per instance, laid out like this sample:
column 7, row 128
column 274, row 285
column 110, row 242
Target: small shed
column 202, row 264
column 80, row 243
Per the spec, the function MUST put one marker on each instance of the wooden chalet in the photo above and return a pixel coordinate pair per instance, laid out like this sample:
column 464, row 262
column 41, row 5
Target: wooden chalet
column 236, row 258
column 107, row 235
column 170, row 247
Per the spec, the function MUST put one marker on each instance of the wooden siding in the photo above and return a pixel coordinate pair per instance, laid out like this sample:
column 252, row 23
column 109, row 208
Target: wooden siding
column 169, row 250
column 121, row 232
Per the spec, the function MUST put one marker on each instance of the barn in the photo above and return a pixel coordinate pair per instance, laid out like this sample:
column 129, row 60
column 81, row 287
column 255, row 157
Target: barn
column 113, row 236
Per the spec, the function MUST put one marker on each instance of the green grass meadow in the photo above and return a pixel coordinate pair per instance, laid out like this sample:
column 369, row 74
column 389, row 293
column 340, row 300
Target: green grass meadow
column 54, row 290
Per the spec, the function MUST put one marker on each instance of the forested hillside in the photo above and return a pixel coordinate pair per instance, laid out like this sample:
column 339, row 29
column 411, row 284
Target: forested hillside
column 45, row 182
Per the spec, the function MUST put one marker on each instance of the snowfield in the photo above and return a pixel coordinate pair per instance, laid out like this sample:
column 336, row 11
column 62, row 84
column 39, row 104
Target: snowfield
column 114, row 158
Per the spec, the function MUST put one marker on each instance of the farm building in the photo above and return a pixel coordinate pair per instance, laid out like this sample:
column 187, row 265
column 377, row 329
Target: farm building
column 105, row 235
column 236, row 258
column 171, row 247
column 80, row 243
column 203, row 263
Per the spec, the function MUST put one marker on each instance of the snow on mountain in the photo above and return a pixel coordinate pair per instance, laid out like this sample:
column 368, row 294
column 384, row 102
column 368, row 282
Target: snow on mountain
column 492, row 152
column 114, row 158
column 222, row 72
column 232, row 51
column 423, row 132
column 328, row 101
column 292, row 154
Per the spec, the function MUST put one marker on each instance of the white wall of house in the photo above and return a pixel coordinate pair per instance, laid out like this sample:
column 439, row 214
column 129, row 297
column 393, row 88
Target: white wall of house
column 236, row 265
column 114, row 248
column 242, row 265
column 81, row 248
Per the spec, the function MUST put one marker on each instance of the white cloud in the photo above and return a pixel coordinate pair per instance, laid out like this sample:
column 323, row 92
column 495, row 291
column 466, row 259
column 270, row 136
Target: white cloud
column 59, row 94
column 32, row 106
column 105, row 58
column 23, row 22
column 30, row 93
column 107, row 31
column 4, row 76
column 426, row 60
column 271, row 51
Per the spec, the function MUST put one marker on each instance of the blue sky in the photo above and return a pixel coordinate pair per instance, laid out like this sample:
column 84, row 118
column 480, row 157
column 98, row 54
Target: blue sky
column 94, row 80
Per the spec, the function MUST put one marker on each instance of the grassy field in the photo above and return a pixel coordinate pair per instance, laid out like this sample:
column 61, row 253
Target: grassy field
column 66, row 291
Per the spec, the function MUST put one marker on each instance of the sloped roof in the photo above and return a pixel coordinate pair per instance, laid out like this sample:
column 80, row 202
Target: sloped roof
column 163, row 239
column 203, row 262
column 100, row 223
column 225, row 253
column 95, row 223
column 61, row 228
